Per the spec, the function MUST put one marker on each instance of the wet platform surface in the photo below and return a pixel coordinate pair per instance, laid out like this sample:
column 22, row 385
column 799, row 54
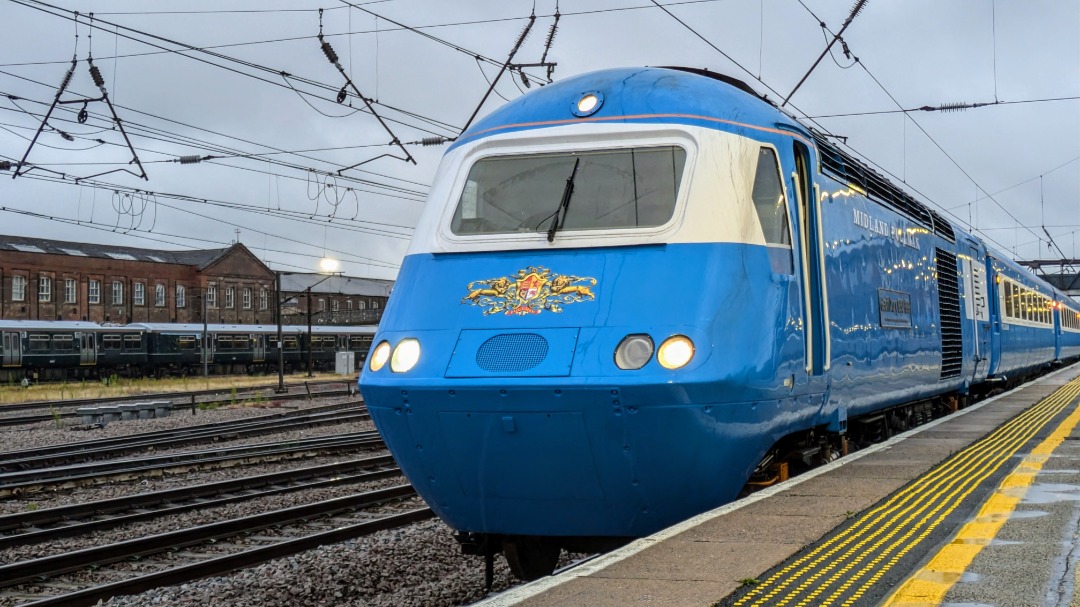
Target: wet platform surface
column 977, row 509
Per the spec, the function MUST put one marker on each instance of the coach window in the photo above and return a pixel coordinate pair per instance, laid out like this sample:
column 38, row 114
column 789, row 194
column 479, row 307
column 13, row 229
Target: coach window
column 110, row 342
column 768, row 197
column 39, row 342
column 1008, row 297
column 63, row 343
column 132, row 342
column 18, row 288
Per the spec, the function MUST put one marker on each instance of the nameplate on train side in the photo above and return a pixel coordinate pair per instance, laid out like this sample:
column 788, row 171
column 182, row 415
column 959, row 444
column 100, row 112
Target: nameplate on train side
column 894, row 309
column 901, row 233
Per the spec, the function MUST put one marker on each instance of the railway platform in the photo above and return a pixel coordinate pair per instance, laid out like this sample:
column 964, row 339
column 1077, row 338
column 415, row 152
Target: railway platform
column 980, row 508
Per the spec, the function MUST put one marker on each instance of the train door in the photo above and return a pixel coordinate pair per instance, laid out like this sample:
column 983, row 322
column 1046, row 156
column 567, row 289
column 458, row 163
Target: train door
column 12, row 350
column 87, row 349
column 342, row 343
column 259, row 348
column 977, row 310
column 811, row 257
column 207, row 348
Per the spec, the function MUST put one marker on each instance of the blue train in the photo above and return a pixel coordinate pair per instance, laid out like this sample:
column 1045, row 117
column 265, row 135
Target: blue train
column 635, row 291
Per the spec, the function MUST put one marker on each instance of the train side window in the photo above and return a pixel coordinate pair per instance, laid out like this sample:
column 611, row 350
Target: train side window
column 768, row 195
column 771, row 207
column 111, row 342
column 63, row 343
column 187, row 342
column 290, row 343
column 1009, row 308
column 132, row 342
column 39, row 342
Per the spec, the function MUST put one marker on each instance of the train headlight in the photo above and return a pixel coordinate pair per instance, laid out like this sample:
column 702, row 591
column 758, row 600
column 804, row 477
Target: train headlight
column 633, row 352
column 379, row 356
column 675, row 352
column 406, row 353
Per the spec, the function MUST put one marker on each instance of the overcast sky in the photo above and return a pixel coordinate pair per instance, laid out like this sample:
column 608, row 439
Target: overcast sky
column 277, row 138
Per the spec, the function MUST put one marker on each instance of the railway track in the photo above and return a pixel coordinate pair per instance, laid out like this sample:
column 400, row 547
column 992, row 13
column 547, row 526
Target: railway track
column 195, row 552
column 65, row 409
column 38, row 526
column 73, row 453
column 19, row 483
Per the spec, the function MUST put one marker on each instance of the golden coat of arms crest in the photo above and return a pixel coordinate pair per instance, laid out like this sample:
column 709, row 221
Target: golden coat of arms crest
column 532, row 291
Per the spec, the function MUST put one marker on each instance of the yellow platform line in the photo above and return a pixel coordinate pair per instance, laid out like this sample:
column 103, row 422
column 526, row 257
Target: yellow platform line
column 979, row 456
column 928, row 585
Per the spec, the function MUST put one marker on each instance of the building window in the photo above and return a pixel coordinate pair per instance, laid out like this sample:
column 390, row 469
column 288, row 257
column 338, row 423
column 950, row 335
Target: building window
column 94, row 289
column 374, row 305
column 230, row 297
column 18, row 288
column 247, row 298
column 70, row 286
column 117, row 293
column 140, row 294
column 263, row 297
column 348, row 304
column 334, row 305
column 44, row 292
column 211, row 296
column 363, row 305
column 181, row 296
column 322, row 305
column 159, row 296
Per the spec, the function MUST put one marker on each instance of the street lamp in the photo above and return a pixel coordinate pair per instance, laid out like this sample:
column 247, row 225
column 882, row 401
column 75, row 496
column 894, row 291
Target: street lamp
column 329, row 267
column 326, row 266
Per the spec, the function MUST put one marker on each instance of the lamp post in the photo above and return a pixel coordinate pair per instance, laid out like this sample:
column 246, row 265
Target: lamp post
column 280, row 345
column 330, row 268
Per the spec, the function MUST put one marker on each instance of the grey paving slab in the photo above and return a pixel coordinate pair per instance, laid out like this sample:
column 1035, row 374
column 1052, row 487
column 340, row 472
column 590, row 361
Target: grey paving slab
column 605, row 592
column 750, row 526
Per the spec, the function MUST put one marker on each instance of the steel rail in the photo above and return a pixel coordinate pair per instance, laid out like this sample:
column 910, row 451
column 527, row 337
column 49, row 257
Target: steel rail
column 226, row 564
column 58, row 456
column 39, row 569
column 222, row 426
column 22, row 483
column 88, row 402
column 192, row 404
column 38, row 526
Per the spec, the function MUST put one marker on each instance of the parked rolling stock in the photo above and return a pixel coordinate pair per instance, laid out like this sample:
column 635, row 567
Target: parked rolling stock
column 32, row 350
column 633, row 291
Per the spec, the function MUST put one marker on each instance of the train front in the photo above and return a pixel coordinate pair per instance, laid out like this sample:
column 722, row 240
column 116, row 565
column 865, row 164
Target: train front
column 581, row 339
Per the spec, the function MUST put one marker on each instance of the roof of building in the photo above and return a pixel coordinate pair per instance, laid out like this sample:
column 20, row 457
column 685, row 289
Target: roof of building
column 336, row 285
column 194, row 257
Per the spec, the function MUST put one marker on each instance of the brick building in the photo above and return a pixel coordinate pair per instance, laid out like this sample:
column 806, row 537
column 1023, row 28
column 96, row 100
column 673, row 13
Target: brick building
column 335, row 300
column 56, row 280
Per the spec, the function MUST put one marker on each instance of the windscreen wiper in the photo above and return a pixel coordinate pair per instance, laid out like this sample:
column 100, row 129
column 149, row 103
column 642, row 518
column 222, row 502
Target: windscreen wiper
column 564, row 204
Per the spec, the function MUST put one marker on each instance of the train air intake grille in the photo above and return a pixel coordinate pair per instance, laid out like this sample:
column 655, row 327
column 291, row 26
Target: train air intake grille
column 512, row 352
column 952, row 343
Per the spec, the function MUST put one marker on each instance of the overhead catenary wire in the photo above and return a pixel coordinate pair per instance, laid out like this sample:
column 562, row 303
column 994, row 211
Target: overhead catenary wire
column 187, row 140
column 184, row 50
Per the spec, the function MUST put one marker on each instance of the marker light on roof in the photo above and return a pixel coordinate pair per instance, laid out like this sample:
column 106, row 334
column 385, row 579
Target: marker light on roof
column 588, row 104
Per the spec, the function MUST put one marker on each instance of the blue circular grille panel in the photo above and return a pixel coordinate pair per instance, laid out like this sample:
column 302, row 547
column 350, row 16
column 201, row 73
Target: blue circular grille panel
column 512, row 352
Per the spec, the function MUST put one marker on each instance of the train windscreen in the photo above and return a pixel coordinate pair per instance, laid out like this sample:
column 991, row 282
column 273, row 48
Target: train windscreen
column 595, row 190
